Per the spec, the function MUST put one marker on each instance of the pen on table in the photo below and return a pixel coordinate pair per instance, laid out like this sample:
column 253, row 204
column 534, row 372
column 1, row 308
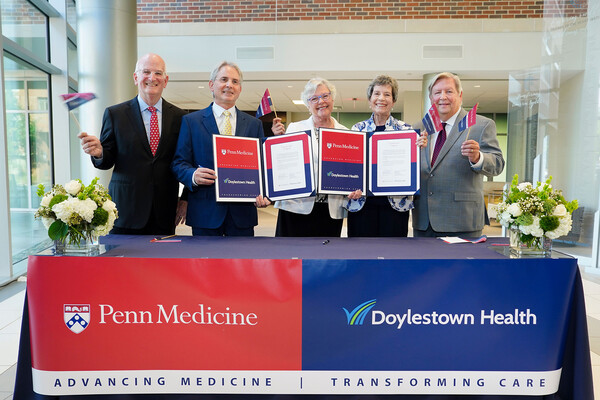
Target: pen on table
column 326, row 241
column 163, row 238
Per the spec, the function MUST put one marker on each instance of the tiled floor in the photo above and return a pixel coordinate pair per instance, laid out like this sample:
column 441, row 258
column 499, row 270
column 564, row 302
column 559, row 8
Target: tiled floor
column 12, row 297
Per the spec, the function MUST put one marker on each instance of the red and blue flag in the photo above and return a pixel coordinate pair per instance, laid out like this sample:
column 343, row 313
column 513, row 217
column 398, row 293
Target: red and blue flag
column 264, row 107
column 74, row 100
column 432, row 121
column 469, row 119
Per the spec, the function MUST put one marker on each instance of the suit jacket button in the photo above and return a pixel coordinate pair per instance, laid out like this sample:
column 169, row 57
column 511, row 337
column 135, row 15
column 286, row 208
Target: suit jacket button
column 431, row 193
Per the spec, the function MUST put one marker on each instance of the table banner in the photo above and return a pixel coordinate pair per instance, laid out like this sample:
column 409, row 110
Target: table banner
column 133, row 325
column 394, row 161
column 237, row 166
column 342, row 161
column 288, row 164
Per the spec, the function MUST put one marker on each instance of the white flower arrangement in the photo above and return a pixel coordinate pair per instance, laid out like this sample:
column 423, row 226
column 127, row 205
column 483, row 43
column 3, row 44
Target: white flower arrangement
column 74, row 211
column 536, row 211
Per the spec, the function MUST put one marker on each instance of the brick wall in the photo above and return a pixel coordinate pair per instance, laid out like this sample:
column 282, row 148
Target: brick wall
column 177, row 11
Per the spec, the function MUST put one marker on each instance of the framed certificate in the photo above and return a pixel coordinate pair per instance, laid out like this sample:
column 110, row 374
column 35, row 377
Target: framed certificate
column 342, row 161
column 394, row 166
column 288, row 165
column 237, row 165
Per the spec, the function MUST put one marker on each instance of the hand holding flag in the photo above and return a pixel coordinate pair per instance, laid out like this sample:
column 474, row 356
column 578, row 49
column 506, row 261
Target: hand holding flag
column 264, row 107
column 432, row 121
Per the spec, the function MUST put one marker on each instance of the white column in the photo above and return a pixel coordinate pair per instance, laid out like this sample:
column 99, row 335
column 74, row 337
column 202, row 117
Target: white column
column 106, row 52
column 59, row 84
column 5, row 239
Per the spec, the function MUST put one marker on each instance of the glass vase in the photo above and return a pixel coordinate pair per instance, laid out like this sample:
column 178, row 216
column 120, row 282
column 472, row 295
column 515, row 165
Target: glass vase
column 85, row 247
column 537, row 247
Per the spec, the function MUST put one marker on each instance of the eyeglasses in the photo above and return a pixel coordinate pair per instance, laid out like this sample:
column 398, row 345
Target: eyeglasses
column 324, row 97
column 147, row 72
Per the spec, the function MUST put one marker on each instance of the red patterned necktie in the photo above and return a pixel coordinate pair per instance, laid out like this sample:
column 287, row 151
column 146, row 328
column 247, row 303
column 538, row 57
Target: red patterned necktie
column 439, row 142
column 154, row 134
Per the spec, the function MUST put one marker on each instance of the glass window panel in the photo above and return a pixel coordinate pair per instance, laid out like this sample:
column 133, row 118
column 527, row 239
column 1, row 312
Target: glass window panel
column 72, row 14
column 40, row 153
column 25, row 25
column 37, row 93
column 29, row 152
column 72, row 61
column 18, row 176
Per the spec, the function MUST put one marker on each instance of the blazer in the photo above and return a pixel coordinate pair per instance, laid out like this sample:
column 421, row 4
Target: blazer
column 195, row 148
column 451, row 194
column 305, row 205
column 139, row 180
column 398, row 203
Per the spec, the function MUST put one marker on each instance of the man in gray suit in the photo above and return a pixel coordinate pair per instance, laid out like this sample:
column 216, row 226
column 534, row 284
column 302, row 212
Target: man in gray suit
column 453, row 166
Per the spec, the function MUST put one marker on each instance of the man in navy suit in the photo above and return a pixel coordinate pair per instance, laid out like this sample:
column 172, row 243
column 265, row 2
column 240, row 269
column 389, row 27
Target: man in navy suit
column 193, row 163
column 142, row 184
column 453, row 165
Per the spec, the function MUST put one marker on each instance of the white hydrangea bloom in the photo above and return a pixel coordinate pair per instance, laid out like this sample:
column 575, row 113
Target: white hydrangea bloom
column 534, row 229
column 523, row 185
column 65, row 209
column 85, row 208
column 506, row 219
column 514, row 209
column 73, row 187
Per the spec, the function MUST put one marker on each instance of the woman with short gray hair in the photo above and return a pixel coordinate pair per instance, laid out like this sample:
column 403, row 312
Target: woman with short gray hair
column 320, row 215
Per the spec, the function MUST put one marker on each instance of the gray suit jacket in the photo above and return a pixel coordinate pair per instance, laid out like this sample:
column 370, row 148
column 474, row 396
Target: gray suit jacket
column 451, row 195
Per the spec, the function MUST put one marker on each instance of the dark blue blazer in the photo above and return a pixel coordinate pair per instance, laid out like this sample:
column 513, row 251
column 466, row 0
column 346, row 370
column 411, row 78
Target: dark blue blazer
column 194, row 149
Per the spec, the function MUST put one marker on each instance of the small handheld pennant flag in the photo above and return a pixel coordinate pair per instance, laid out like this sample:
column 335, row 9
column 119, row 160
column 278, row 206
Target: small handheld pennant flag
column 74, row 100
column 264, row 107
column 432, row 121
column 469, row 119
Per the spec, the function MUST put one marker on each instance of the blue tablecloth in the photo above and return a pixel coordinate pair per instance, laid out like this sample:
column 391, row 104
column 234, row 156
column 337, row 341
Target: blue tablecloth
column 576, row 378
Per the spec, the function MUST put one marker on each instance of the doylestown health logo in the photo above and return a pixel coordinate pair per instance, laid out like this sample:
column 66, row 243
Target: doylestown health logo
column 357, row 316
column 330, row 173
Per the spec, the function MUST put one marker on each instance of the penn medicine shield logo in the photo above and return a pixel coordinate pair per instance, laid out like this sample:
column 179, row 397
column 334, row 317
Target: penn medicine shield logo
column 329, row 145
column 77, row 317
column 223, row 151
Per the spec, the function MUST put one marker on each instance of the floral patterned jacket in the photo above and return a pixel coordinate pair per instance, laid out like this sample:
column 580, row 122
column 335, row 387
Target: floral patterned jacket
column 398, row 203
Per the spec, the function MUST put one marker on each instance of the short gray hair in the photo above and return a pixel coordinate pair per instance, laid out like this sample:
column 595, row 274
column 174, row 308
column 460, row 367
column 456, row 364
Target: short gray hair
column 382, row 80
column 446, row 75
column 311, row 88
column 215, row 72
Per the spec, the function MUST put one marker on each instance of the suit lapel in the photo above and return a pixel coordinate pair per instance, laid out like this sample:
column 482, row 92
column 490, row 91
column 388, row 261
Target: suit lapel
column 167, row 120
column 241, row 128
column 209, row 122
column 135, row 116
column 453, row 137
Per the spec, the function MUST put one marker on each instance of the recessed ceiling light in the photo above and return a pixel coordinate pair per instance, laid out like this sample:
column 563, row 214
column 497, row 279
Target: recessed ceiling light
column 200, row 87
column 298, row 102
column 477, row 86
column 290, row 86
